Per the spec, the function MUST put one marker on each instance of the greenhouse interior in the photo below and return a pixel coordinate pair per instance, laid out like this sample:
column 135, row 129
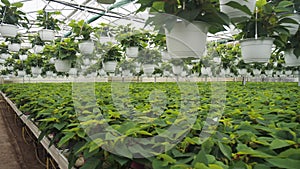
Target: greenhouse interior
column 150, row 84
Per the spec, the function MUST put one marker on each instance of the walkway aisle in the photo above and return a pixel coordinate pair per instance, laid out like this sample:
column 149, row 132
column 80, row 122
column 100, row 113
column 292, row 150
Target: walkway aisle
column 8, row 146
column 15, row 153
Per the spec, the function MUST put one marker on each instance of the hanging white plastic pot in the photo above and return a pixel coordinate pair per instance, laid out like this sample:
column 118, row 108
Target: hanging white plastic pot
column 49, row 73
column 52, row 60
column 21, row 73
column 109, row 66
column 5, row 56
column 62, row 65
column 236, row 13
column 14, row 47
column 23, row 57
column 36, row 70
column 73, row 71
column 165, row 56
column 47, row 34
column 269, row 72
column 187, row 39
column 256, row 72
column 38, row 48
column 86, row 47
column 132, row 52
column 126, row 73
column 8, row 30
column 291, row 59
column 148, row 69
column 2, row 61
column 256, row 50
column 86, row 61
column 177, row 69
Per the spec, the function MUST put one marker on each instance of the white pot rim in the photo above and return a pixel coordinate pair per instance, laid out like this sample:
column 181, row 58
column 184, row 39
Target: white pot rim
column 257, row 39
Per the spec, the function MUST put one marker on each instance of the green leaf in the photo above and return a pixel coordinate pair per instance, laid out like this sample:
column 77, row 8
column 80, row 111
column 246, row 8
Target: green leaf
column 238, row 6
column 200, row 158
column 284, row 163
column 200, row 166
column 91, row 163
column 225, row 149
column 66, row 138
column 261, row 3
column 168, row 159
column 59, row 126
column 277, row 143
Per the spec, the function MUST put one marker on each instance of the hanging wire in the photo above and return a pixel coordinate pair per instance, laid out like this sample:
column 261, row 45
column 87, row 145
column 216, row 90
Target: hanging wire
column 256, row 13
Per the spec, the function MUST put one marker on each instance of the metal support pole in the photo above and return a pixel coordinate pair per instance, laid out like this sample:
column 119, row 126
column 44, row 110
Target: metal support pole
column 244, row 81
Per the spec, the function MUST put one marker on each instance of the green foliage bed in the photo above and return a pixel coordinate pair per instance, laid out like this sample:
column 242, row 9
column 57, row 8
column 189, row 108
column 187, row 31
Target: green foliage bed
column 259, row 127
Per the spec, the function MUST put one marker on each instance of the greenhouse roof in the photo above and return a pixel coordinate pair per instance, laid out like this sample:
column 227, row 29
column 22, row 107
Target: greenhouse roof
column 122, row 12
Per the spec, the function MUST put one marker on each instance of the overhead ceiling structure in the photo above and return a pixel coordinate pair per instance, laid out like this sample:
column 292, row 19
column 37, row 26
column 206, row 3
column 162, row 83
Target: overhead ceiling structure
column 121, row 12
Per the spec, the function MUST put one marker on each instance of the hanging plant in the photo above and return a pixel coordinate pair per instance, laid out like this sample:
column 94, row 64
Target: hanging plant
column 34, row 60
column 83, row 31
column 48, row 23
column 15, row 43
column 113, row 54
column 262, row 30
column 12, row 17
column 149, row 56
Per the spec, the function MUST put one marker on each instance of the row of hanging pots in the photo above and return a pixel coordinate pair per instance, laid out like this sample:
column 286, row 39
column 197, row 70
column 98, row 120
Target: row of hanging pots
column 189, row 39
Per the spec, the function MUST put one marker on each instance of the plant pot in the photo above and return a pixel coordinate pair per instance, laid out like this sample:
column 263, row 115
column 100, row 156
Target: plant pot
column 10, row 68
column 86, row 47
column 14, row 47
column 293, row 28
column 52, row 60
column 23, row 57
column 73, row 71
column 38, row 49
column 86, row 61
column 1, row 62
column 26, row 45
column 5, row 56
column 256, row 72
column 269, row 72
column 47, row 34
column 49, row 73
column 21, row 73
column 187, row 39
column 36, row 70
column 8, row 30
column 165, row 56
column 288, row 72
column 126, row 73
column 291, row 59
column 62, row 65
column 106, row 1
column 177, row 69
column 205, row 71
column 148, row 69
column 236, row 13
column 132, row 52
column 256, row 50
column 109, row 66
